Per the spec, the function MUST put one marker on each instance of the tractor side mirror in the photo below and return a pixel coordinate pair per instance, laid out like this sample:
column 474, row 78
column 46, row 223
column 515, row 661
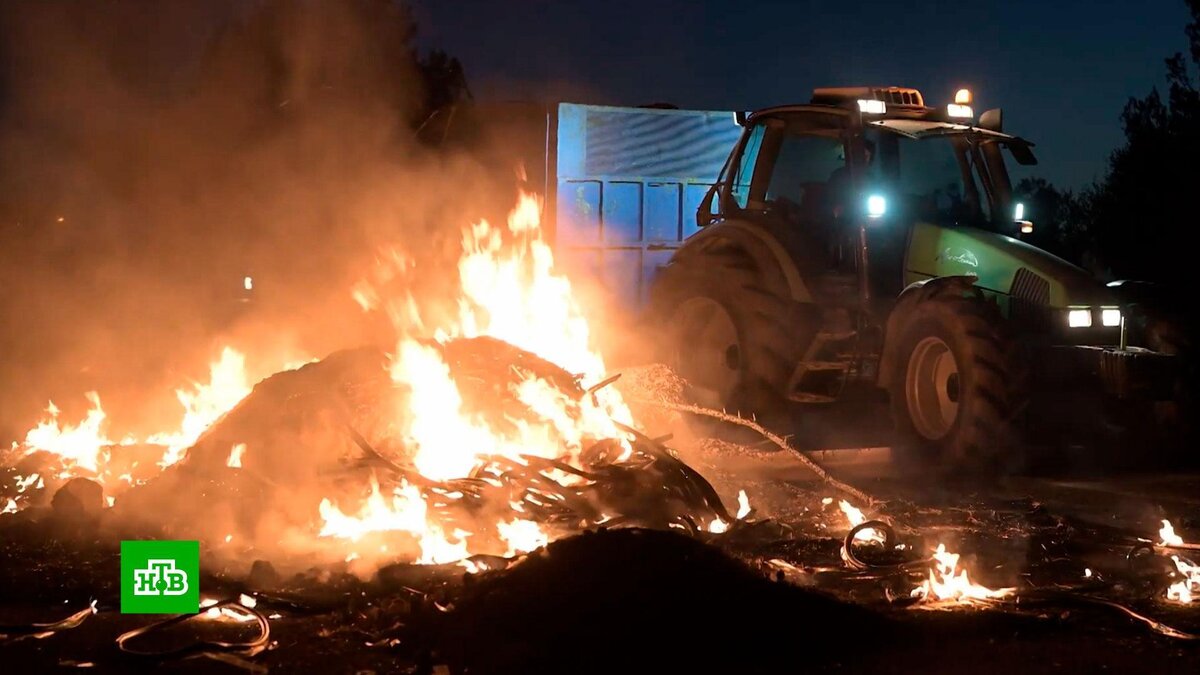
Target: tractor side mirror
column 704, row 213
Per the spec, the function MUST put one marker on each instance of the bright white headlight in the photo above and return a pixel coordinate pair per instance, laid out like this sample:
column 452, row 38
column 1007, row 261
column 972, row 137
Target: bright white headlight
column 872, row 107
column 876, row 206
column 1110, row 317
column 1079, row 318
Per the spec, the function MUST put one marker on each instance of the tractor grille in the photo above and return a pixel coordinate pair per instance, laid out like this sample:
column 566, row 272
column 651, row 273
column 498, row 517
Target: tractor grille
column 1031, row 288
column 1029, row 296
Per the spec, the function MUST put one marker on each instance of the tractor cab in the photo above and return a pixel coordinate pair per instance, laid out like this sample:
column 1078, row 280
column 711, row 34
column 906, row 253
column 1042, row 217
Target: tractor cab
column 852, row 171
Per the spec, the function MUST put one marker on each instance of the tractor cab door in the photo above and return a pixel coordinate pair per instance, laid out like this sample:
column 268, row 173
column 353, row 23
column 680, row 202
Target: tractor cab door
column 791, row 176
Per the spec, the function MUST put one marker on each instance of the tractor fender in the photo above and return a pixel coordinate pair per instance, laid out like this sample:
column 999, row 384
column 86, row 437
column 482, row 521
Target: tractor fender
column 763, row 247
column 913, row 294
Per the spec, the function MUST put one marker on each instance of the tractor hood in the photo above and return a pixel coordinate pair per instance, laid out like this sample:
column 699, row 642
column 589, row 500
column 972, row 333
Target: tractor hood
column 936, row 251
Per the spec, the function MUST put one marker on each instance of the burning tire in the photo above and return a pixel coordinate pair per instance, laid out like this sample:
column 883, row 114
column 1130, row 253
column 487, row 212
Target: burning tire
column 953, row 395
column 730, row 336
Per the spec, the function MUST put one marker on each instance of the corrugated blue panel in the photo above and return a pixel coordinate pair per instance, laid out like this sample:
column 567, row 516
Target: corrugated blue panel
column 661, row 212
column 630, row 179
column 622, row 212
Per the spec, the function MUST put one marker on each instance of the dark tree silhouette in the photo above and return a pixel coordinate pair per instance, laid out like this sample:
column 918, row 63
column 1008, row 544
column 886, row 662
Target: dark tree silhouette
column 1141, row 211
column 1060, row 220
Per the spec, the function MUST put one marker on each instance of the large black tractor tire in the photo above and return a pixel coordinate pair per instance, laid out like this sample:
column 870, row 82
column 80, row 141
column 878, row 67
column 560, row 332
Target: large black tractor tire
column 955, row 393
column 720, row 325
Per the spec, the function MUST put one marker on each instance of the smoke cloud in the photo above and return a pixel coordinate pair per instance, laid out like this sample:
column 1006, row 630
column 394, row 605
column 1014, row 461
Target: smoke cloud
column 153, row 155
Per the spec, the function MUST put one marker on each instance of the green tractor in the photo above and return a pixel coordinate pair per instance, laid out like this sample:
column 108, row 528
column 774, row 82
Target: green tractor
column 867, row 246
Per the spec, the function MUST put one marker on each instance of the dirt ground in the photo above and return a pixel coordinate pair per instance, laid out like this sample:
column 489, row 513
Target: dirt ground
column 43, row 580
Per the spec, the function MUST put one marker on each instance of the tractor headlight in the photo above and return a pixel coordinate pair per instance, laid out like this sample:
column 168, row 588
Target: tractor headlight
column 1110, row 317
column 876, row 206
column 1079, row 318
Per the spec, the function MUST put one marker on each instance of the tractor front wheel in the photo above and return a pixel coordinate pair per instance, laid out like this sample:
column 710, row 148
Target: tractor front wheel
column 952, row 395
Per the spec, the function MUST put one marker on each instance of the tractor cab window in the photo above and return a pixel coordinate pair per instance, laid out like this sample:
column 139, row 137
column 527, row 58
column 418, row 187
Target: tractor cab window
column 791, row 166
column 739, row 184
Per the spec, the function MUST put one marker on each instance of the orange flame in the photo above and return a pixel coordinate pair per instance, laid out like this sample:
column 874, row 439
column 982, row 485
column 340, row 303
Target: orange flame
column 1187, row 589
column 510, row 290
column 82, row 445
column 856, row 518
column 949, row 584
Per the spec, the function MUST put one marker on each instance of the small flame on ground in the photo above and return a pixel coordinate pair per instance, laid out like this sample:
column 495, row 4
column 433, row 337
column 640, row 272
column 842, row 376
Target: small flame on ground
column 235, row 456
column 743, row 505
column 1168, row 536
column 10, row 507
column 856, row 518
column 1187, row 589
column 948, row 584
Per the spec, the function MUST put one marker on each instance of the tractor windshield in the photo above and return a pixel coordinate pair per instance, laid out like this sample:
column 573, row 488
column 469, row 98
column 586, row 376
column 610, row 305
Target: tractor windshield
column 931, row 179
column 942, row 172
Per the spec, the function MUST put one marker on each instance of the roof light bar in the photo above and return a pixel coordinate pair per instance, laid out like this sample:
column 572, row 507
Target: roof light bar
column 871, row 106
column 958, row 110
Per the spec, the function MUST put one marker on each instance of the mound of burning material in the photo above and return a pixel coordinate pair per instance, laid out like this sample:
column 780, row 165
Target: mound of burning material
column 326, row 465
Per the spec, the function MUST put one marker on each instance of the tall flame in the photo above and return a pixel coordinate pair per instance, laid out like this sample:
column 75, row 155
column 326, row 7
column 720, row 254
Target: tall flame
column 510, row 290
column 204, row 403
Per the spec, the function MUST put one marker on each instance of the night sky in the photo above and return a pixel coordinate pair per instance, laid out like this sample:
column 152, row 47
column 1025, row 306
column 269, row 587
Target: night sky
column 1061, row 69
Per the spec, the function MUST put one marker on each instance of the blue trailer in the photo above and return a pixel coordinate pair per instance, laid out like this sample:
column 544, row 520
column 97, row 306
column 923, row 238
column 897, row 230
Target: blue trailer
column 625, row 187
column 622, row 185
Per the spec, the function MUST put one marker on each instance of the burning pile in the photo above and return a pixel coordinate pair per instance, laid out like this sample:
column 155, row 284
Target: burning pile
column 489, row 429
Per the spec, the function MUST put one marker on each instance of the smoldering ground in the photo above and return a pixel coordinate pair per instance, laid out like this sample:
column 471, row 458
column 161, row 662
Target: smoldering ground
column 153, row 155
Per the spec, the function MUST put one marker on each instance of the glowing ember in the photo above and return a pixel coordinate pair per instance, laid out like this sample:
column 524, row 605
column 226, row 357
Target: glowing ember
column 948, row 584
column 228, row 612
column 10, row 507
column 1168, row 536
column 718, row 526
column 82, row 445
column 235, row 456
column 856, row 518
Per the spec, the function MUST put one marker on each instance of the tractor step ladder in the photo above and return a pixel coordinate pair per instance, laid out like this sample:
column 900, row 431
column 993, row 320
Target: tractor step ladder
column 822, row 372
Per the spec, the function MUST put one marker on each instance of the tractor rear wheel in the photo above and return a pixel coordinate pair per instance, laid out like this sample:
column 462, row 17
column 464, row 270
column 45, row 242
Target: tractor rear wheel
column 727, row 333
column 953, row 393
